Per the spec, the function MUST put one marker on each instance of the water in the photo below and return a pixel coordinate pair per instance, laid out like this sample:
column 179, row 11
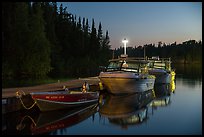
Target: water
column 171, row 112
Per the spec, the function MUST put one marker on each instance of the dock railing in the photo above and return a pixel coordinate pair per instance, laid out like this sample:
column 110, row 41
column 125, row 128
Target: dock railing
column 159, row 59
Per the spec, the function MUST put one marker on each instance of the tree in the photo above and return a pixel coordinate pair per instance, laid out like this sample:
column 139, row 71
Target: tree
column 100, row 34
column 40, row 40
column 105, row 52
column 94, row 45
column 38, row 52
column 10, row 28
column 79, row 24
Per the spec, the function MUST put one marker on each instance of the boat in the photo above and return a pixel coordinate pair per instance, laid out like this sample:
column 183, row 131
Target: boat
column 47, row 101
column 127, row 109
column 126, row 76
column 161, row 68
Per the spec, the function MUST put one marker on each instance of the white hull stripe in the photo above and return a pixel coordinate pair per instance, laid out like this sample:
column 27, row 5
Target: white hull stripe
column 68, row 103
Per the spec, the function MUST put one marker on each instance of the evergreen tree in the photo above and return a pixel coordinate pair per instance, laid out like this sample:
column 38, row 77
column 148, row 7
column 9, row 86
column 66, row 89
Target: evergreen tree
column 83, row 24
column 14, row 26
column 38, row 39
column 50, row 18
column 38, row 52
column 100, row 34
column 79, row 24
column 93, row 41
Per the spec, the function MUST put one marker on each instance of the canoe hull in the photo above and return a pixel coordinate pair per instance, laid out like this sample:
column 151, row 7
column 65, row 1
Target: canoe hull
column 48, row 102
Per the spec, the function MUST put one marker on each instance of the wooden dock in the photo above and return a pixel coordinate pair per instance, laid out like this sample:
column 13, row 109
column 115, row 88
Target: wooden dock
column 10, row 103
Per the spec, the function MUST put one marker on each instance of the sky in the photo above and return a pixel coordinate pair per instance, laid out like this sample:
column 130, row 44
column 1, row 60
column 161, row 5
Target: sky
column 143, row 22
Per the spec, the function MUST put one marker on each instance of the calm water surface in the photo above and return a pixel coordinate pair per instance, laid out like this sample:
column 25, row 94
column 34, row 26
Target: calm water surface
column 165, row 111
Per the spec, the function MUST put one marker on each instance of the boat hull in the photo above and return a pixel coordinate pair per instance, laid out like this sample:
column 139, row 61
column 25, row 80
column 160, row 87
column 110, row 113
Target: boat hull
column 48, row 102
column 126, row 84
column 162, row 76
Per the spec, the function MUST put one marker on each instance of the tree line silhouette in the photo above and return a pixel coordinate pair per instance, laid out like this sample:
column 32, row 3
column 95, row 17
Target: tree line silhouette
column 187, row 52
column 40, row 39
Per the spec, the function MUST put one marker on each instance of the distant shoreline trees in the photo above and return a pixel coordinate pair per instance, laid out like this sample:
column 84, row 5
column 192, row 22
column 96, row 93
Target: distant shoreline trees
column 188, row 52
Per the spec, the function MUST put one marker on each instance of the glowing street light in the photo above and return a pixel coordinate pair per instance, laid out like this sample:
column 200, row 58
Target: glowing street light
column 125, row 41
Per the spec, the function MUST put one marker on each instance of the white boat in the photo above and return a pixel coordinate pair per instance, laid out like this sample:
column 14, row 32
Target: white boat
column 127, row 75
column 161, row 68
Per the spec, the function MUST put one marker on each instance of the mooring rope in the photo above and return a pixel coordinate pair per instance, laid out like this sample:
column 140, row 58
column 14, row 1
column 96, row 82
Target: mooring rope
column 18, row 95
column 20, row 126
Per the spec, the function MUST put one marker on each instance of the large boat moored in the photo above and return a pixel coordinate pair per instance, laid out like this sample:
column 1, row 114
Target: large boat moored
column 126, row 76
column 161, row 68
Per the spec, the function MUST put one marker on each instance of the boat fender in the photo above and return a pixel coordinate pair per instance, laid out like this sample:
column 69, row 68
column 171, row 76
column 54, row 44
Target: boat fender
column 85, row 87
column 100, row 85
column 66, row 89
column 100, row 99
column 19, row 93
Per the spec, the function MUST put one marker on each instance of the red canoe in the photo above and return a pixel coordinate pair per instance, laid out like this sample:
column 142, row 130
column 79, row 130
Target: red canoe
column 47, row 101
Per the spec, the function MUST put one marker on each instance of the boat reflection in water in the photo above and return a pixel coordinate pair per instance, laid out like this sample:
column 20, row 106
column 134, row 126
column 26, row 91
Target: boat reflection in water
column 127, row 109
column 163, row 94
column 47, row 122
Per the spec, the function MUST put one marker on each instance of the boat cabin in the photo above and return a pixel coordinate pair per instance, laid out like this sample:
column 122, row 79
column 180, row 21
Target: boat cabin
column 160, row 63
column 131, row 65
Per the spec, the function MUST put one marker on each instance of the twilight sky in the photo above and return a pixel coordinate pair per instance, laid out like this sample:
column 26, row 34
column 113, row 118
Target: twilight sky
column 142, row 22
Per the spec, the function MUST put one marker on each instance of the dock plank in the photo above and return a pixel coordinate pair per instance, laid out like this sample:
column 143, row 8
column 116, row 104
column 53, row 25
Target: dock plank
column 11, row 92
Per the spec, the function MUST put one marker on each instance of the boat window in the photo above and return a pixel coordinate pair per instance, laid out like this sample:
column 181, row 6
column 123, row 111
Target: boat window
column 130, row 67
column 159, row 67
column 142, row 65
column 158, row 64
column 151, row 64
column 114, row 66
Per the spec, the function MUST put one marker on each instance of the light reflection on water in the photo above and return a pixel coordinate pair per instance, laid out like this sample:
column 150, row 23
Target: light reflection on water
column 177, row 112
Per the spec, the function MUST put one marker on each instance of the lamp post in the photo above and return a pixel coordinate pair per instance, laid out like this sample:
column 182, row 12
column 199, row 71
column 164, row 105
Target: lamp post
column 144, row 52
column 125, row 41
